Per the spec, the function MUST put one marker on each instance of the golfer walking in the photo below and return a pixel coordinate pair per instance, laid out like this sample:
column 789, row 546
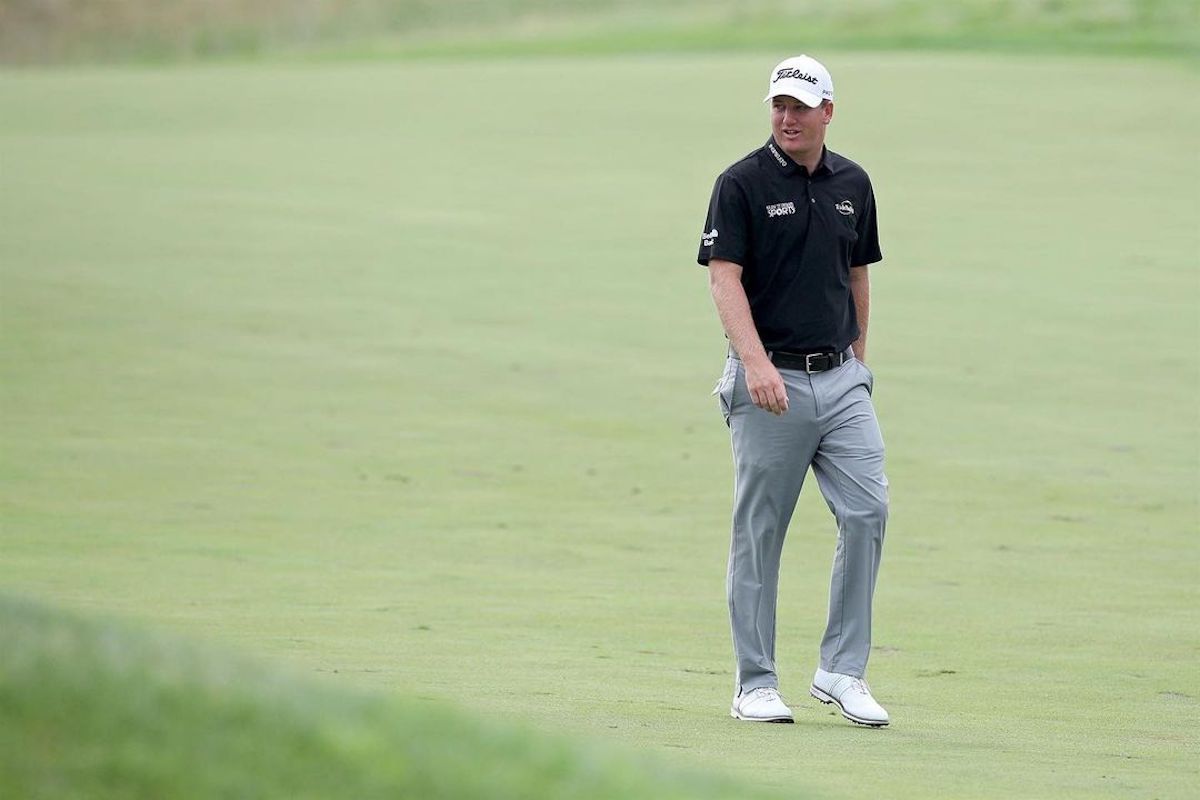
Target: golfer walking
column 789, row 236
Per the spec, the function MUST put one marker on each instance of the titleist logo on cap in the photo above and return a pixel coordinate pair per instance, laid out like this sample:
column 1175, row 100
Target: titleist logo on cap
column 798, row 74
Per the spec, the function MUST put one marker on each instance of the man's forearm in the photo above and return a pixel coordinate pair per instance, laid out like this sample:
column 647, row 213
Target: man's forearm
column 734, row 310
column 763, row 382
column 860, row 289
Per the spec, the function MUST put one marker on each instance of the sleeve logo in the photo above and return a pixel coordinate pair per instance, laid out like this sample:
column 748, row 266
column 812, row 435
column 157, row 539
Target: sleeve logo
column 707, row 239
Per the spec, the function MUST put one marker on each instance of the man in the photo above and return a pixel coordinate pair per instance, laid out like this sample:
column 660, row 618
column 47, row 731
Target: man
column 789, row 236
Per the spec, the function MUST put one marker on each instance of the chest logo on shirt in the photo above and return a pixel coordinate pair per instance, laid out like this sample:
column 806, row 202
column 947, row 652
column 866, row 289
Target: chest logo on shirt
column 779, row 209
column 845, row 207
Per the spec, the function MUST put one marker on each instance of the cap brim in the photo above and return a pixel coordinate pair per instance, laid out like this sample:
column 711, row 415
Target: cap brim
column 808, row 98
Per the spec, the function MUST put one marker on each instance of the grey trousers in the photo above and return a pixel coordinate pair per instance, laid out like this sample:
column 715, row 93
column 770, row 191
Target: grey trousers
column 830, row 426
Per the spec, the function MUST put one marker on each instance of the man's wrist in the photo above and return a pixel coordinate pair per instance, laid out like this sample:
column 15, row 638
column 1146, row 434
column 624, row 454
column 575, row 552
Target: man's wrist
column 755, row 358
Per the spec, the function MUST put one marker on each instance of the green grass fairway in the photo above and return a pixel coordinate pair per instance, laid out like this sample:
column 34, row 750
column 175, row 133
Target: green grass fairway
column 400, row 373
column 95, row 711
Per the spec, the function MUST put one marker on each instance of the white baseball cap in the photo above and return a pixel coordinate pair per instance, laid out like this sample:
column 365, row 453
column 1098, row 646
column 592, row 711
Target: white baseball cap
column 803, row 78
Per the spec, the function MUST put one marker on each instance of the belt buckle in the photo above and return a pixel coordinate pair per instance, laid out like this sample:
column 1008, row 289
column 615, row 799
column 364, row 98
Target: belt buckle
column 808, row 362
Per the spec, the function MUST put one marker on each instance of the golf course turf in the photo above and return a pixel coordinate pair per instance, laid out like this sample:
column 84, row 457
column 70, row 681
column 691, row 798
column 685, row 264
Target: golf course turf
column 399, row 373
column 92, row 709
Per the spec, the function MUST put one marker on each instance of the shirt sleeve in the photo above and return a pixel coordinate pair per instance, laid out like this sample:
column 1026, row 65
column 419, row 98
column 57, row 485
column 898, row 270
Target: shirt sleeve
column 866, row 249
column 727, row 226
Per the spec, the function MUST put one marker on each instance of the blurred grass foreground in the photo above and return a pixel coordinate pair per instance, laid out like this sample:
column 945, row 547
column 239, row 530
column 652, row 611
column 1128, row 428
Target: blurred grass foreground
column 56, row 31
column 90, row 709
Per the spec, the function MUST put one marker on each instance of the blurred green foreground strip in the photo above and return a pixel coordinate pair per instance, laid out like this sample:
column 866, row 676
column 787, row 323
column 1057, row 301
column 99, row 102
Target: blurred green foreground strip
column 88, row 709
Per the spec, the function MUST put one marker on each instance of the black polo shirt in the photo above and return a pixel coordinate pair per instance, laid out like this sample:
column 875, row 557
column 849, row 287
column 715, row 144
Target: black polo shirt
column 796, row 237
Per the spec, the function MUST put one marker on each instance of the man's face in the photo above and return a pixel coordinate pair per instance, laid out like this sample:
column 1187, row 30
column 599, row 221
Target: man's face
column 798, row 129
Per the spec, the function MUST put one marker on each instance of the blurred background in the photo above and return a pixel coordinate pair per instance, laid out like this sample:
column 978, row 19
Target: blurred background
column 53, row 31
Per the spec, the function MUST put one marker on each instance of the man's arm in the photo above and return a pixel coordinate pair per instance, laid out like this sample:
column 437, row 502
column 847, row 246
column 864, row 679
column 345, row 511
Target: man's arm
column 860, row 289
column 767, row 389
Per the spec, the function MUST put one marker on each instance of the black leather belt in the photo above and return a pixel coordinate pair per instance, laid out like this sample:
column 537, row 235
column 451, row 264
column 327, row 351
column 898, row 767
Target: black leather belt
column 808, row 362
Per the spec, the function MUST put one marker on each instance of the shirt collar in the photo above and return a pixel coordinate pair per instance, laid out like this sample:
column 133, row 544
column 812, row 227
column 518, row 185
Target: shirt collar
column 786, row 165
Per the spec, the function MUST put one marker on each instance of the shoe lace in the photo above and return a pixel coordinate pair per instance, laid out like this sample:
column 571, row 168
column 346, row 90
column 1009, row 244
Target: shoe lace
column 860, row 686
column 766, row 693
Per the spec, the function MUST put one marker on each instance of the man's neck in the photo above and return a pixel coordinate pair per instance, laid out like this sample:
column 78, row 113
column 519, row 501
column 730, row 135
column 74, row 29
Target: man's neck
column 808, row 160
column 811, row 160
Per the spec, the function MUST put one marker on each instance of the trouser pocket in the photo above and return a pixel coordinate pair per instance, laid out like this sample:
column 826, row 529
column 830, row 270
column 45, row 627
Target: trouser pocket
column 869, row 377
column 725, row 387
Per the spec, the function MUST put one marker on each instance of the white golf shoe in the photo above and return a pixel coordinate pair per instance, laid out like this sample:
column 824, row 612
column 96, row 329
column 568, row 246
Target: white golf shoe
column 851, row 695
column 760, row 705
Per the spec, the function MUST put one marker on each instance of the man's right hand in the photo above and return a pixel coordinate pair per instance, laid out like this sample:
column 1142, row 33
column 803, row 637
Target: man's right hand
column 767, row 389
